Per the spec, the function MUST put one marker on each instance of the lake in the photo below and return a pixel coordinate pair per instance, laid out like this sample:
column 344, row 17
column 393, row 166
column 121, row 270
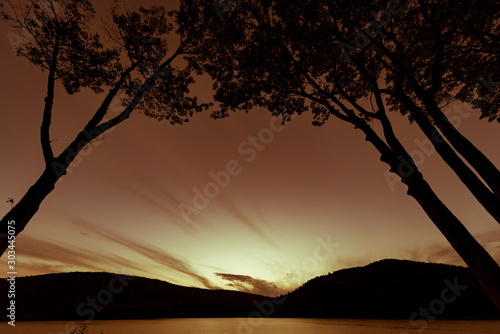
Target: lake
column 260, row 326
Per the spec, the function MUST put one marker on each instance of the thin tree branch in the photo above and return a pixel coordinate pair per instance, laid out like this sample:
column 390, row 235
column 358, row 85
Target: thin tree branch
column 48, row 154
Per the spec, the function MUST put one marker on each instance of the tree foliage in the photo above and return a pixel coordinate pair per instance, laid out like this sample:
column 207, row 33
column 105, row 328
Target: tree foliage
column 438, row 48
column 135, row 45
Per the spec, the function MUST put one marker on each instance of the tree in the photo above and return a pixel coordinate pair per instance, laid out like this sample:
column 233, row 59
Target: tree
column 357, row 61
column 136, row 67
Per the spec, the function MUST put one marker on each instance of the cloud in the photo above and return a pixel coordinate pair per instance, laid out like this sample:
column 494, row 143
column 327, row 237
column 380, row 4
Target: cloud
column 249, row 284
column 150, row 193
column 242, row 217
column 155, row 254
column 45, row 255
column 444, row 253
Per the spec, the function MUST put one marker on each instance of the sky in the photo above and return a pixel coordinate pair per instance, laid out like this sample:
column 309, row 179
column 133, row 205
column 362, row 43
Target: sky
column 302, row 202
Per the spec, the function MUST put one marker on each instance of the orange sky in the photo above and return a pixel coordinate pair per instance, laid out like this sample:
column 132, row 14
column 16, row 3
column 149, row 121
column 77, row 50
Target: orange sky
column 118, row 209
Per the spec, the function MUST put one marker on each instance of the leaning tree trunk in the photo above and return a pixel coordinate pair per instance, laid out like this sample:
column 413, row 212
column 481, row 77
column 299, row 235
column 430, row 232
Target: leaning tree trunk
column 26, row 208
column 483, row 166
column 474, row 255
column 480, row 191
column 483, row 266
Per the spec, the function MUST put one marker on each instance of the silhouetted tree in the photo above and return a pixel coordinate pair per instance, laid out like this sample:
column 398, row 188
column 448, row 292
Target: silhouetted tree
column 137, row 67
column 356, row 61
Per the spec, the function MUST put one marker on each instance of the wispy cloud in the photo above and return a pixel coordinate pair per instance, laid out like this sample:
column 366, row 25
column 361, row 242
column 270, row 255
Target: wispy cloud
column 153, row 253
column 444, row 253
column 242, row 217
column 249, row 284
column 45, row 255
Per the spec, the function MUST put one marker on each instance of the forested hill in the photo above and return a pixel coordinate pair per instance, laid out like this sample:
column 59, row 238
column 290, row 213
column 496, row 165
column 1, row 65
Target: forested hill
column 384, row 289
column 391, row 289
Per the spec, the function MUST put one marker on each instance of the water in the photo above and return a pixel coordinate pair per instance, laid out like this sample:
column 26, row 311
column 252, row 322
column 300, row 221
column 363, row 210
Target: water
column 259, row 326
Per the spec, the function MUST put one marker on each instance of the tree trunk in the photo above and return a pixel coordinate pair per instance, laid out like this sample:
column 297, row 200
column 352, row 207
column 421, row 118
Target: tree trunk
column 475, row 256
column 26, row 208
column 483, row 166
column 480, row 191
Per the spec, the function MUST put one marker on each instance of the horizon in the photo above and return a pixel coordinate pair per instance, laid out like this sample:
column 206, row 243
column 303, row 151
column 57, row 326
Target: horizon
column 283, row 293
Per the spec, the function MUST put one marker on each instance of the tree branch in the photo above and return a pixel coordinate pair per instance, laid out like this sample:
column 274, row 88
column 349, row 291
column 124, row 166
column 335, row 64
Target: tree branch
column 89, row 133
column 48, row 154
column 103, row 108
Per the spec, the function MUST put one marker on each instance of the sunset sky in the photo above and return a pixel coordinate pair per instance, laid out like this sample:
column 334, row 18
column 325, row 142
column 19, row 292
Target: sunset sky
column 118, row 209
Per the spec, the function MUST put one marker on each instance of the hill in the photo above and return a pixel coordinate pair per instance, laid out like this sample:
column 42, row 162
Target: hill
column 81, row 296
column 391, row 289
column 384, row 289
